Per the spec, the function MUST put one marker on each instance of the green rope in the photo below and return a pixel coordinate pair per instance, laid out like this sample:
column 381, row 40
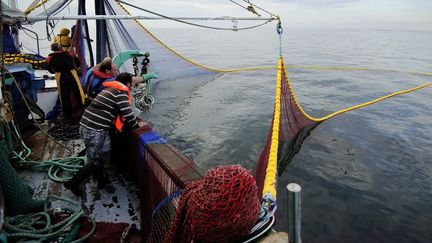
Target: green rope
column 3, row 238
column 55, row 167
column 38, row 226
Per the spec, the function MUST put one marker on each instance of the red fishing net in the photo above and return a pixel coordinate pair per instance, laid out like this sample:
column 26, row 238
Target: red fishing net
column 294, row 127
column 221, row 207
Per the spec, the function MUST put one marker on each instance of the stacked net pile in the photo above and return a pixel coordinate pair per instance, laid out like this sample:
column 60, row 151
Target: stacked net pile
column 17, row 195
column 221, row 207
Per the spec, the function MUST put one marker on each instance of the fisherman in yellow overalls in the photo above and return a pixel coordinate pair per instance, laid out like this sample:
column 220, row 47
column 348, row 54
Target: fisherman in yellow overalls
column 63, row 64
column 63, row 39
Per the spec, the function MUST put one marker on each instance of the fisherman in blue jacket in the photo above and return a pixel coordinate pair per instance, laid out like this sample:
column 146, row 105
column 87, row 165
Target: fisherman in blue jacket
column 105, row 71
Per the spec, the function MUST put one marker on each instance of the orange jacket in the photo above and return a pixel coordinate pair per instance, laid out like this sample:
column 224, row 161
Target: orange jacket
column 118, row 121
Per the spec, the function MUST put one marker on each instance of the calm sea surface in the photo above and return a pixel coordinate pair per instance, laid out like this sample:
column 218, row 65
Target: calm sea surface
column 366, row 175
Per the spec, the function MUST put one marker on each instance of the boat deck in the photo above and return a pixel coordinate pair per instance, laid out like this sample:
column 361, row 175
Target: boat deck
column 117, row 203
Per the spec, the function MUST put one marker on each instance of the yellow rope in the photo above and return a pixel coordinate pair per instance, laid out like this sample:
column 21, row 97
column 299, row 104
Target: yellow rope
column 355, row 69
column 271, row 170
column 320, row 119
column 269, row 187
column 20, row 58
column 29, row 10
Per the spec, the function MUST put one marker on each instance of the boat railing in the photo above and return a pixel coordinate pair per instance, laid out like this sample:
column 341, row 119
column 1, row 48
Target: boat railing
column 160, row 172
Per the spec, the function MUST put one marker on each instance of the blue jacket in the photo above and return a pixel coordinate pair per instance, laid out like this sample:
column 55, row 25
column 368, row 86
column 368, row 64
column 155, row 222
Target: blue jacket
column 93, row 82
column 8, row 43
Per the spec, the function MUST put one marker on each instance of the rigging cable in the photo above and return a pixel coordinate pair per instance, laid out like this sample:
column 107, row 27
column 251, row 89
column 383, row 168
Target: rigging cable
column 191, row 61
column 193, row 24
column 256, row 6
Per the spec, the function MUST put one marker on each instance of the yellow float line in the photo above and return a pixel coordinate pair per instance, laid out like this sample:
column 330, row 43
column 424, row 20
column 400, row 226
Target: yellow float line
column 269, row 187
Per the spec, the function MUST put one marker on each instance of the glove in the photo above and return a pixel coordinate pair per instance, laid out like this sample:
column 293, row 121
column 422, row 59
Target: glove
column 149, row 76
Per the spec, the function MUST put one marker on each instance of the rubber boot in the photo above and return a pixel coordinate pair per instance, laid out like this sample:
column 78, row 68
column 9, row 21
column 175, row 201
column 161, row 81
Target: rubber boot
column 102, row 179
column 74, row 183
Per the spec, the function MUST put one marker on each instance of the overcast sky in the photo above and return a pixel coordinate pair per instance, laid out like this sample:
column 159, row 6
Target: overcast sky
column 328, row 14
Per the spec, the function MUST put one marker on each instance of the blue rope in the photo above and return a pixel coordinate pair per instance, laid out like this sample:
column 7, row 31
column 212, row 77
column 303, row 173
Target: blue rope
column 166, row 200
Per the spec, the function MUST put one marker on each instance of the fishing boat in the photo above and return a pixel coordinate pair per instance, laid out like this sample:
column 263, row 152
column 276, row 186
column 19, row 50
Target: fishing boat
column 154, row 186
column 155, row 197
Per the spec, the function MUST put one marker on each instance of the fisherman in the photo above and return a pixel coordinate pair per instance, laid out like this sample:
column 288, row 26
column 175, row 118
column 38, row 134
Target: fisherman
column 112, row 104
column 71, row 94
column 104, row 72
column 63, row 39
column 96, row 76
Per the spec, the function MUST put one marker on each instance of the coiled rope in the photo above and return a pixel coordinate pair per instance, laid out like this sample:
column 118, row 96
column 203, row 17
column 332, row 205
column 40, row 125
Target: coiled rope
column 54, row 166
column 40, row 228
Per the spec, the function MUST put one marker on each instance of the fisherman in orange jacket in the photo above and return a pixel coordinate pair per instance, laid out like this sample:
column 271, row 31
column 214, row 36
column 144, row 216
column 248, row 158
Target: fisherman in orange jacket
column 111, row 105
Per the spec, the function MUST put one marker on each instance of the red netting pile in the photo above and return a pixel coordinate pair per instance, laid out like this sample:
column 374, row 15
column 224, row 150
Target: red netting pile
column 221, row 207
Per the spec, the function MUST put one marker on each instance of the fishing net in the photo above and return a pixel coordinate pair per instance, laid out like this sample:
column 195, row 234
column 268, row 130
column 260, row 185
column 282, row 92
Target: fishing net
column 160, row 172
column 221, row 207
column 17, row 195
column 290, row 127
column 78, row 47
column 131, row 34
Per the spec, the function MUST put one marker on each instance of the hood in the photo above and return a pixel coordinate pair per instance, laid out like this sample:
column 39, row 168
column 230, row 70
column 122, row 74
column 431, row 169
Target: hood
column 64, row 31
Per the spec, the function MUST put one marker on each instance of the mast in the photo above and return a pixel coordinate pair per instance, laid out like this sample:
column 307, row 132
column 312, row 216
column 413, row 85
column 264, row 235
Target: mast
column 82, row 11
column 101, row 32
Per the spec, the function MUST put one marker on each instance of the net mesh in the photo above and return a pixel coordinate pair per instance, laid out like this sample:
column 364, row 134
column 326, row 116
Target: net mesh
column 221, row 207
column 159, row 170
column 292, row 129
column 17, row 195
column 130, row 34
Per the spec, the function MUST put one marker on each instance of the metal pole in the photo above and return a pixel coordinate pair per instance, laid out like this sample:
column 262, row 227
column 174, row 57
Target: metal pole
column 37, row 38
column 2, row 62
column 294, row 213
column 105, row 17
